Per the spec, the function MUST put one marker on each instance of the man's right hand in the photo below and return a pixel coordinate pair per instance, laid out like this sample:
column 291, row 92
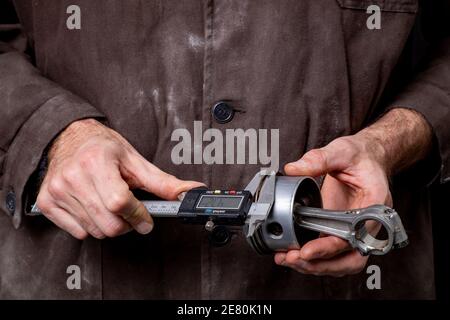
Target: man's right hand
column 86, row 189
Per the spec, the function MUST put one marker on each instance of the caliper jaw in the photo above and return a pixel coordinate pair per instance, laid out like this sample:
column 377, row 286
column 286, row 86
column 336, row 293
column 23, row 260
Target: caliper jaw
column 262, row 188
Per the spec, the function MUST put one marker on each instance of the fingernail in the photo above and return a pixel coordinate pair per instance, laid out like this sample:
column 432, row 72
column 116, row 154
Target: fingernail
column 144, row 227
column 295, row 165
column 283, row 260
column 299, row 163
column 289, row 166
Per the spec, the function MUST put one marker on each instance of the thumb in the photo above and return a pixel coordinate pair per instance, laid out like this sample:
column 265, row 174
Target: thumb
column 169, row 187
column 315, row 163
column 153, row 180
column 137, row 216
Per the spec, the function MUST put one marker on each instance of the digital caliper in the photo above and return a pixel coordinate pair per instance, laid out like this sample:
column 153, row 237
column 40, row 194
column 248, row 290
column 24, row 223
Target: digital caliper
column 274, row 211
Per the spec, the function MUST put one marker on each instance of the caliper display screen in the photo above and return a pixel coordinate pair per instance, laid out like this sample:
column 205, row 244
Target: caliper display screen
column 219, row 202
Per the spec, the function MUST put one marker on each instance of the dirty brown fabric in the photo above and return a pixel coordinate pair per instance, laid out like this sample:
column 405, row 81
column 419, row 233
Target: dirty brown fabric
column 309, row 68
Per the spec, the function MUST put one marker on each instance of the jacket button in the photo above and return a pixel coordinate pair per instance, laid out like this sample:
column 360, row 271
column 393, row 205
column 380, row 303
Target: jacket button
column 222, row 112
column 11, row 202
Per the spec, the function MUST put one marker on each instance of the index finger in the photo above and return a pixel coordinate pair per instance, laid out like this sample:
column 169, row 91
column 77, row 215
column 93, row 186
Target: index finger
column 119, row 200
column 137, row 216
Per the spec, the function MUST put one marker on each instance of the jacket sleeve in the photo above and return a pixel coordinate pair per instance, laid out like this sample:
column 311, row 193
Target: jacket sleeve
column 429, row 92
column 33, row 110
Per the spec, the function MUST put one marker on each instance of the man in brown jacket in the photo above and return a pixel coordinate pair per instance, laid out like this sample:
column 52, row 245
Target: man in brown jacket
column 91, row 92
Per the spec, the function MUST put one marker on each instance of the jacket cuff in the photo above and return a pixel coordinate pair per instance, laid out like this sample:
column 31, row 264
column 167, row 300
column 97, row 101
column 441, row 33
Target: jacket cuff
column 29, row 144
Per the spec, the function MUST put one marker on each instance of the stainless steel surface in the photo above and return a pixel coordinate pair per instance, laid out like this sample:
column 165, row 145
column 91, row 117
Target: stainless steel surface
column 352, row 226
column 262, row 188
column 283, row 204
column 155, row 208
column 278, row 232
column 164, row 209
column 297, row 202
column 209, row 226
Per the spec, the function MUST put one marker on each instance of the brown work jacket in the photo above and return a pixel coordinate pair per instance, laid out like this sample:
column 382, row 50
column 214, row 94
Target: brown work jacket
column 312, row 69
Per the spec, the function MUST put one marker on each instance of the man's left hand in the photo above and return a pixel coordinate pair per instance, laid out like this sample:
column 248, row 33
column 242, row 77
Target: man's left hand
column 356, row 170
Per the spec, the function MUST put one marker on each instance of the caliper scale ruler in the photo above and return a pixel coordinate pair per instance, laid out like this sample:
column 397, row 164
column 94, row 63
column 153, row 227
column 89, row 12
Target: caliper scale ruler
column 268, row 211
column 163, row 209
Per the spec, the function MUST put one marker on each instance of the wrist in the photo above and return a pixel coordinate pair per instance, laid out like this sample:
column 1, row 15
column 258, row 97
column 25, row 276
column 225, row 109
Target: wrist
column 74, row 134
column 372, row 146
column 397, row 140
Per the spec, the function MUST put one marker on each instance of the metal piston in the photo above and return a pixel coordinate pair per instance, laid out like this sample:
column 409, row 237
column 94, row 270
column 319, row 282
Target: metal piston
column 280, row 232
column 297, row 211
column 281, row 213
